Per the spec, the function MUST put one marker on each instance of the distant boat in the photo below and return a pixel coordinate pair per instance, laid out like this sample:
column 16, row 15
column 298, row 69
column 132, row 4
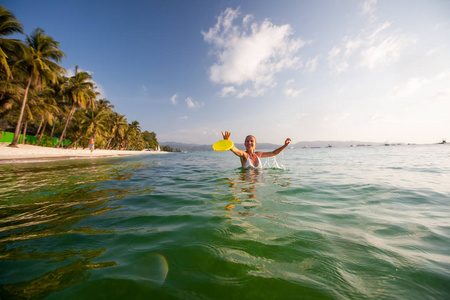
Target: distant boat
column 444, row 141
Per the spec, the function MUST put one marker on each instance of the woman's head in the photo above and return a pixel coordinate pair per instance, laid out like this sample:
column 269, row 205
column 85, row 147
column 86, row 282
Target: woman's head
column 250, row 141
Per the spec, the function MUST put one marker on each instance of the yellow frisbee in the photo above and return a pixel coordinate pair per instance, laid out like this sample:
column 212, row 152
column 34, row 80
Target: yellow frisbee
column 223, row 145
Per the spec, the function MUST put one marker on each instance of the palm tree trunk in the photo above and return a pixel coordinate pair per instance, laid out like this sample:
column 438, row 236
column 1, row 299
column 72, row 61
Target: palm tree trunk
column 72, row 110
column 109, row 142
column 53, row 129
column 40, row 126
column 77, row 140
column 42, row 133
column 24, row 134
column 19, row 121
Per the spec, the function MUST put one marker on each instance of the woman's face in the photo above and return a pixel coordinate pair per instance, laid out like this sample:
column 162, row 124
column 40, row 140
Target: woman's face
column 250, row 142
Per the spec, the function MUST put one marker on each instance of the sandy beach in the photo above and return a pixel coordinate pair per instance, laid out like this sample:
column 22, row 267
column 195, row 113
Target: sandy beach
column 30, row 153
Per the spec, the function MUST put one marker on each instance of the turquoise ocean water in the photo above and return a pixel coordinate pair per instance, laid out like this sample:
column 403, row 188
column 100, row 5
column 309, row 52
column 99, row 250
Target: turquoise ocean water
column 338, row 223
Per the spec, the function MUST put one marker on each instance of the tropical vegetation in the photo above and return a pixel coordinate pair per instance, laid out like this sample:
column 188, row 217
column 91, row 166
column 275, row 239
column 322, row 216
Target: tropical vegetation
column 38, row 97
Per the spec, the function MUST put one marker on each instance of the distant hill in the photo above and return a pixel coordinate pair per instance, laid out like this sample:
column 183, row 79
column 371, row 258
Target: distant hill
column 197, row 147
column 321, row 144
column 187, row 147
column 268, row 146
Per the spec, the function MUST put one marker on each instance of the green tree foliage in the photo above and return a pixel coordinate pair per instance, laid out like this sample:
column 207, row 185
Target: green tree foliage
column 78, row 93
column 166, row 148
column 8, row 25
column 36, row 96
column 150, row 140
column 37, row 66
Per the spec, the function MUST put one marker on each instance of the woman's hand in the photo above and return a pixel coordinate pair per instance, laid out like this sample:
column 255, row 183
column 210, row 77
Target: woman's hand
column 287, row 142
column 226, row 135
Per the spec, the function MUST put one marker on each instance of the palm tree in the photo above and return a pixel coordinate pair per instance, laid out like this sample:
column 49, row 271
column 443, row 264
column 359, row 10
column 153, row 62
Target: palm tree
column 95, row 121
column 8, row 25
column 35, row 108
column 106, row 103
column 135, row 125
column 80, row 92
column 47, row 109
column 58, row 95
column 132, row 135
column 30, row 109
column 77, row 129
column 37, row 65
column 118, row 125
column 8, row 48
column 10, row 96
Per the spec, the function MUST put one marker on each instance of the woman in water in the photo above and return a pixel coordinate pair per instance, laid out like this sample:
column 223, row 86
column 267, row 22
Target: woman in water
column 250, row 158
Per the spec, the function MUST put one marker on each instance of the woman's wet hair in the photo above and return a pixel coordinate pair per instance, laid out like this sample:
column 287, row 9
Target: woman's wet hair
column 249, row 136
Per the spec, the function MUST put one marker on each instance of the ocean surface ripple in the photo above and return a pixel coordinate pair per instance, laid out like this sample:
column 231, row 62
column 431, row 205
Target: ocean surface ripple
column 334, row 223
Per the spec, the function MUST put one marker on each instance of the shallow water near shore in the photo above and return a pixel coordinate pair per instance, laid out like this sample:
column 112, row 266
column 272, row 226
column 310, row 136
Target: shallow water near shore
column 338, row 223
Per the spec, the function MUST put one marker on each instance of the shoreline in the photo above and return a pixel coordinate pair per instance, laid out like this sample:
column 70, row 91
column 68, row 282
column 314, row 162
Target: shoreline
column 30, row 153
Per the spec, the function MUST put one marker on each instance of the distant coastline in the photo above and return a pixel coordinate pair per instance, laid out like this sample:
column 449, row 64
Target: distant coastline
column 187, row 147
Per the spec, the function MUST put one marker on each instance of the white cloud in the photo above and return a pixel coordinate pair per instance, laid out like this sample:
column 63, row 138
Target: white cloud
column 289, row 82
column 371, row 49
column 99, row 89
column 247, row 19
column 193, row 104
column 386, row 51
column 184, row 118
column 189, row 102
column 228, row 91
column 351, row 46
column 251, row 92
column 368, row 8
column 378, row 30
column 432, row 88
column 292, row 93
column 335, row 60
column 289, row 91
column 251, row 53
column 174, row 99
column 409, row 87
column 311, row 64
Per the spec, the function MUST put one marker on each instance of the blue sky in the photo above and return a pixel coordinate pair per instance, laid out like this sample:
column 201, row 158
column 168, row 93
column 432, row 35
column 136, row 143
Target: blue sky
column 310, row 70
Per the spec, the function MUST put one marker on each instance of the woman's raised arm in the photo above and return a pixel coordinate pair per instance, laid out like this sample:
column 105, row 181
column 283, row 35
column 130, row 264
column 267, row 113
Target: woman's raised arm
column 276, row 151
